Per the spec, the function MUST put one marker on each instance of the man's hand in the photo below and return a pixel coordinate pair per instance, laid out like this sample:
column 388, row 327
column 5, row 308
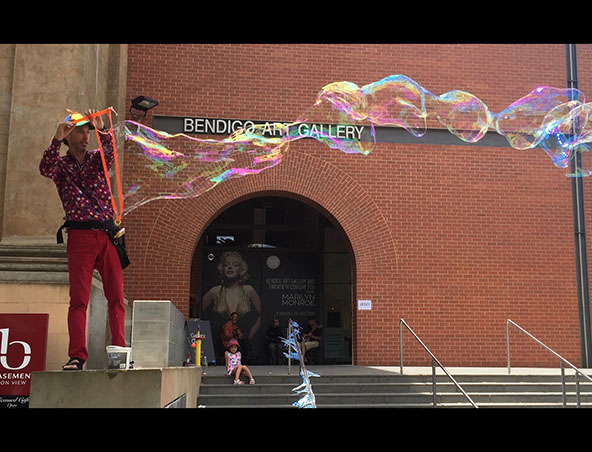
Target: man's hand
column 97, row 121
column 64, row 129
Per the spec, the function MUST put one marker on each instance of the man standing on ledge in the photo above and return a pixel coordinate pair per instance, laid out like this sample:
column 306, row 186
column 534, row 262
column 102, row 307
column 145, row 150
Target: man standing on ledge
column 86, row 198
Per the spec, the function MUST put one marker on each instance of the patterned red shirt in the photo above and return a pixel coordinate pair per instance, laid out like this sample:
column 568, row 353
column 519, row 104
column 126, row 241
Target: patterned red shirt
column 82, row 187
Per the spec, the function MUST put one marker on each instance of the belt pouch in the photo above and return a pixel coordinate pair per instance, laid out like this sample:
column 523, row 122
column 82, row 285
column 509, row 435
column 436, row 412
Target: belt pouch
column 118, row 241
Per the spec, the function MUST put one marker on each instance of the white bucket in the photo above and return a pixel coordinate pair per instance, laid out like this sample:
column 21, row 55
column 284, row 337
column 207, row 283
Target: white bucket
column 118, row 357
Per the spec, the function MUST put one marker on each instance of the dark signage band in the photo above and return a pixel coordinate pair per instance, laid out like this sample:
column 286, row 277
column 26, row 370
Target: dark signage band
column 216, row 126
column 220, row 126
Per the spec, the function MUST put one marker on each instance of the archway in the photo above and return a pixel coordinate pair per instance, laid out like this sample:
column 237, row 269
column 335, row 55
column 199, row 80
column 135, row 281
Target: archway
column 297, row 263
column 166, row 234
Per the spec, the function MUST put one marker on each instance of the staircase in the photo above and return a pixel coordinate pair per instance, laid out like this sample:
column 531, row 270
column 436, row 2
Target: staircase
column 393, row 390
column 44, row 263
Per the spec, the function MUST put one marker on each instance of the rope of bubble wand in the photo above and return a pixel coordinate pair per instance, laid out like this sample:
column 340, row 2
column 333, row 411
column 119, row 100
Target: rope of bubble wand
column 90, row 117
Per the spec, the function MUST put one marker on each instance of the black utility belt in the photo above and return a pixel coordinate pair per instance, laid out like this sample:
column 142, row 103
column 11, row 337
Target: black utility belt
column 115, row 233
column 95, row 225
column 108, row 225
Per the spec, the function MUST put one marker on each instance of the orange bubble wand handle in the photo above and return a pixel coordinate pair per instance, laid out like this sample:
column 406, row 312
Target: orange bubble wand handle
column 117, row 213
column 90, row 116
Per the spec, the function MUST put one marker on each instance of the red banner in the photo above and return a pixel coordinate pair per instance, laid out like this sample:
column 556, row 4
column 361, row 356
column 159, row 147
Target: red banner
column 23, row 346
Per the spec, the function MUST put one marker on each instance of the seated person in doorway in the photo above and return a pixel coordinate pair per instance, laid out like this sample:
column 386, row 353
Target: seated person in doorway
column 231, row 331
column 274, row 342
column 313, row 334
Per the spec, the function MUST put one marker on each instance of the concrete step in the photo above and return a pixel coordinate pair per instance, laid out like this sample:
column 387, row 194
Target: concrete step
column 403, row 391
column 461, row 379
column 394, row 399
column 398, row 386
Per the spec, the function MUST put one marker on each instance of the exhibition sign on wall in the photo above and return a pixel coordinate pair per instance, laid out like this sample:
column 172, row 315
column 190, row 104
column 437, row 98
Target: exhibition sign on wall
column 23, row 346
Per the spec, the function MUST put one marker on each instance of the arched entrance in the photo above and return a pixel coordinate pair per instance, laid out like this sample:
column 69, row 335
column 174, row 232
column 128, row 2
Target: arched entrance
column 163, row 245
column 296, row 263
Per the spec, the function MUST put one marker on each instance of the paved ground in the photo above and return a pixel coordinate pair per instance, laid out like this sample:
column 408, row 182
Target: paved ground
column 345, row 369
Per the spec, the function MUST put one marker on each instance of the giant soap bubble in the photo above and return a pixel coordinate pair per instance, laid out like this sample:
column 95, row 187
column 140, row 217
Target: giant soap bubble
column 160, row 165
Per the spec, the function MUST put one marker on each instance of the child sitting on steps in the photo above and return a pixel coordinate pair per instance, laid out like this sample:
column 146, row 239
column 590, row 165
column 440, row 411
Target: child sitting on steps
column 233, row 363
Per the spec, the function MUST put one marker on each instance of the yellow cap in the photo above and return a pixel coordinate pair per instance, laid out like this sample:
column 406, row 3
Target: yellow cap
column 77, row 117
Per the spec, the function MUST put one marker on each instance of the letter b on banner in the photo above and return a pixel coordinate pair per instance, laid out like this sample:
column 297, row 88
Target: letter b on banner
column 4, row 344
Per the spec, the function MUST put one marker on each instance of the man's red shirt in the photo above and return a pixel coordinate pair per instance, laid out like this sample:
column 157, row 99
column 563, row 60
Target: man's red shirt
column 82, row 188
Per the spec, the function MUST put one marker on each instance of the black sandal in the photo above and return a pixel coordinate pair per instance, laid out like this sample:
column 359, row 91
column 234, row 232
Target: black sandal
column 73, row 364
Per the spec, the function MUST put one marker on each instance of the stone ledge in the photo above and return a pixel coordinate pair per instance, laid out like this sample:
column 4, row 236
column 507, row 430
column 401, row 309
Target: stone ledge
column 134, row 388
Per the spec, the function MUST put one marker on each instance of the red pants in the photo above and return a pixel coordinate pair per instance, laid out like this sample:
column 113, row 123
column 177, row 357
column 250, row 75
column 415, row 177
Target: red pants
column 87, row 250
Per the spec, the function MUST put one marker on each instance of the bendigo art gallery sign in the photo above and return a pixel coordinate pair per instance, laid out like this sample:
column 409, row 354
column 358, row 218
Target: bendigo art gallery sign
column 218, row 126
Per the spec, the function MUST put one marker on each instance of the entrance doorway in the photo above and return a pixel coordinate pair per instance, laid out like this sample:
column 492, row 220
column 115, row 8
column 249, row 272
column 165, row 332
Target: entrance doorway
column 270, row 257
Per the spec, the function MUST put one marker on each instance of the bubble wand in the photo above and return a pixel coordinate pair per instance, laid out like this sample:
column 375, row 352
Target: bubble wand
column 90, row 117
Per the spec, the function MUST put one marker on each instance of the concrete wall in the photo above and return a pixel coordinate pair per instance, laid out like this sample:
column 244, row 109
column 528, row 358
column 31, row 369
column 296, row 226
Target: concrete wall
column 38, row 82
column 137, row 388
column 158, row 334
column 42, row 82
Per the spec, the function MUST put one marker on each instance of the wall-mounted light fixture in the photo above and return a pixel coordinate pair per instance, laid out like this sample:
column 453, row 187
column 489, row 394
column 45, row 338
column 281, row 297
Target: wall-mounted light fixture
column 140, row 105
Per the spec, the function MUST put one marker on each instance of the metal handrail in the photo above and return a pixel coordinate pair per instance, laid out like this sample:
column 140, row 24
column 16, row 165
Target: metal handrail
column 563, row 361
column 434, row 360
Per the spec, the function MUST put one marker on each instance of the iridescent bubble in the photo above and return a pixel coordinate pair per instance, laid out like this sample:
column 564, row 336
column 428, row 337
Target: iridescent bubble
column 344, row 117
column 337, row 104
column 177, row 166
column 528, row 121
column 396, row 101
column 556, row 120
column 463, row 114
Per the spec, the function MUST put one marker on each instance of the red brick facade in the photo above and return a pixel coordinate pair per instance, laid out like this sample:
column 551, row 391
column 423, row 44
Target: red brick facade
column 453, row 239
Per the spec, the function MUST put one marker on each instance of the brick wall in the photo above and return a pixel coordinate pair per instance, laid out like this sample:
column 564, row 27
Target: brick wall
column 453, row 239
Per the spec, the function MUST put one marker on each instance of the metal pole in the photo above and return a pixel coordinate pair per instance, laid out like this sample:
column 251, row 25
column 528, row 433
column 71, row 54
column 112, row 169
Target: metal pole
column 434, row 383
column 508, row 344
column 577, row 390
column 400, row 348
column 577, row 188
column 564, row 396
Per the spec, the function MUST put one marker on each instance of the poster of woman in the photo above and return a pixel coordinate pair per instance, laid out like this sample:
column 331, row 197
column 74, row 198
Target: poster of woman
column 233, row 294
